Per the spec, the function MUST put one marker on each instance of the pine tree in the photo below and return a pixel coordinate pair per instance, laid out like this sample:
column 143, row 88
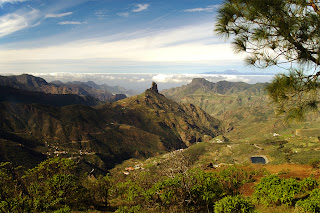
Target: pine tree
column 273, row 32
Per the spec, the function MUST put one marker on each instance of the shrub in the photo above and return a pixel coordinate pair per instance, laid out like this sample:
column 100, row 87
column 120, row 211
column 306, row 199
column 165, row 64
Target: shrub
column 12, row 198
column 53, row 184
column 234, row 204
column 195, row 189
column 206, row 188
column 311, row 204
column 273, row 190
column 308, row 184
column 65, row 209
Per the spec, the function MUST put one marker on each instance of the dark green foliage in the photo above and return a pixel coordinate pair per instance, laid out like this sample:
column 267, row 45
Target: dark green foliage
column 53, row 184
column 294, row 94
column 308, row 184
column 269, row 30
column 274, row 190
column 273, row 32
column 234, row 204
column 65, row 209
column 312, row 203
column 56, row 192
column 190, row 190
column 207, row 189
column 193, row 190
column 50, row 167
column 11, row 197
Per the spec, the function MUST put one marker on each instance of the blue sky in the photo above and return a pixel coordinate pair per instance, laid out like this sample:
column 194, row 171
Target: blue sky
column 113, row 36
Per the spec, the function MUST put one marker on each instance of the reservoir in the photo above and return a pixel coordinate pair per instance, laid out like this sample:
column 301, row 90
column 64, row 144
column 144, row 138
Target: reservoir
column 261, row 160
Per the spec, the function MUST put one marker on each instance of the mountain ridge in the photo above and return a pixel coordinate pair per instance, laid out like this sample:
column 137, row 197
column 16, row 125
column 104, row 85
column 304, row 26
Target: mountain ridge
column 37, row 84
column 102, row 136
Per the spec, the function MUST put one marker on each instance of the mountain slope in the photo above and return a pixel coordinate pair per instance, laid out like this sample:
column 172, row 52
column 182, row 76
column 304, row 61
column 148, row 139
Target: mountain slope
column 239, row 105
column 14, row 95
column 189, row 122
column 103, row 136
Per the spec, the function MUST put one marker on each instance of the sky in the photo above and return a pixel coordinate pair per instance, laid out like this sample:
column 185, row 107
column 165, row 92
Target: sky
column 126, row 42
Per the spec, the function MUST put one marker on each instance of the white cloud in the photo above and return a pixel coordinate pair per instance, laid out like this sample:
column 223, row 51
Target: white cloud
column 2, row 2
column 193, row 44
column 187, row 49
column 140, row 7
column 14, row 22
column 123, row 14
column 209, row 8
column 52, row 15
column 69, row 22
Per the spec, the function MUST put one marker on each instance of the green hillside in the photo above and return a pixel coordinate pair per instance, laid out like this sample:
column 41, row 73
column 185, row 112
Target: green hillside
column 250, row 123
column 238, row 105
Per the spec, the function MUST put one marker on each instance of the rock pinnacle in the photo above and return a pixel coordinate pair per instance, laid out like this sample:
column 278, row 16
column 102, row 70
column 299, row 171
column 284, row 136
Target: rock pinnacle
column 154, row 87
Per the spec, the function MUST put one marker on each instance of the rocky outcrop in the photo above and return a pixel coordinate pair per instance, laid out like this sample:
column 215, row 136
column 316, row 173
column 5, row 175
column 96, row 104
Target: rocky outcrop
column 188, row 123
column 154, row 87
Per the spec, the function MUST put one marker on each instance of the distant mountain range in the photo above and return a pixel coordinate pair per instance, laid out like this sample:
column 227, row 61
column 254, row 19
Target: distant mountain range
column 35, row 84
column 97, row 137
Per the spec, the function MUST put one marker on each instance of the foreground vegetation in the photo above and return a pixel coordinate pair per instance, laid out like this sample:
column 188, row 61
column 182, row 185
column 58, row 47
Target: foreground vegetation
column 55, row 185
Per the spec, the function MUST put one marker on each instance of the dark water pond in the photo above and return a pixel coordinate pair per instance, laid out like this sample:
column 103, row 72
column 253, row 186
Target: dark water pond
column 258, row 160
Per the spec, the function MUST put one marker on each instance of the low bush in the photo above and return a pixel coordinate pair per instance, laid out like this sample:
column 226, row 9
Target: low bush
column 235, row 204
column 274, row 190
column 311, row 204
